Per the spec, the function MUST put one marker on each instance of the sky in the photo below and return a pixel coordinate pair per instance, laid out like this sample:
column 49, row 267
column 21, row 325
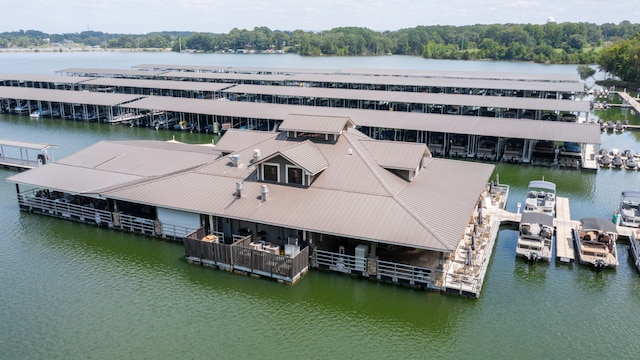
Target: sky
column 220, row 16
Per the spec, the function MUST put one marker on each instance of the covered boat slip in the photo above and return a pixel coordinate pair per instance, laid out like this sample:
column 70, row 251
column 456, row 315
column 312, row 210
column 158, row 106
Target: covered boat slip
column 387, row 125
column 182, row 89
column 77, row 105
column 24, row 155
column 517, row 88
column 451, row 104
column 477, row 83
column 57, row 82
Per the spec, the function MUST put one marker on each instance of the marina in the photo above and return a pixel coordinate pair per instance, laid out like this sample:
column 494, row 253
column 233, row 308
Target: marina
column 91, row 275
column 478, row 116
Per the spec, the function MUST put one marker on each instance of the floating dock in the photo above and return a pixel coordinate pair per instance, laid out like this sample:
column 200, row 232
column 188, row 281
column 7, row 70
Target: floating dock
column 564, row 226
column 23, row 155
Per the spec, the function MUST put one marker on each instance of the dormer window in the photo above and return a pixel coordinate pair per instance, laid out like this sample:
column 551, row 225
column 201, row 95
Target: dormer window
column 271, row 172
column 294, row 175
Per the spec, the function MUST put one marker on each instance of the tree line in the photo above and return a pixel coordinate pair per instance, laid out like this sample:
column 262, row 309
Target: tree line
column 576, row 43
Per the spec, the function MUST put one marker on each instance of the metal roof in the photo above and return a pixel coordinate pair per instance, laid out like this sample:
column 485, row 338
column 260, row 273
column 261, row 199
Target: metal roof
column 464, row 74
column 476, row 125
column 233, row 69
column 25, row 144
column 158, row 84
column 58, row 79
column 415, row 98
column 315, row 123
column 113, row 72
column 306, row 155
column 397, row 155
column 65, row 96
column 384, row 80
column 354, row 197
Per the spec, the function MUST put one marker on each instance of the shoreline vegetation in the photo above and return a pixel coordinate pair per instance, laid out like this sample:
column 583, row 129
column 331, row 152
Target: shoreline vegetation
column 615, row 48
column 557, row 43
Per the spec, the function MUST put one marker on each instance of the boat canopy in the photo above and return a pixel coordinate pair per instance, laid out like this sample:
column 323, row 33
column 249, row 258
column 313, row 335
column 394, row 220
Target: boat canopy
column 600, row 224
column 537, row 218
column 631, row 194
column 541, row 184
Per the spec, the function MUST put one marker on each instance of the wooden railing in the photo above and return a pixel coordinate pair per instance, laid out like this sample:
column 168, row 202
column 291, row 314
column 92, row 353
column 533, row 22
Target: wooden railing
column 241, row 257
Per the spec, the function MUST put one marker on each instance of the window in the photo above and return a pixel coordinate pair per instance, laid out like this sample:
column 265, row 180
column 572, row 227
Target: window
column 271, row 172
column 294, row 175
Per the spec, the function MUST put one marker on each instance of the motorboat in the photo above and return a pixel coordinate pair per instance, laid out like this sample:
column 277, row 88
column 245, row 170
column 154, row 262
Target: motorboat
column 629, row 210
column 536, row 237
column 617, row 161
column 541, row 197
column 595, row 240
column 605, row 160
column 630, row 163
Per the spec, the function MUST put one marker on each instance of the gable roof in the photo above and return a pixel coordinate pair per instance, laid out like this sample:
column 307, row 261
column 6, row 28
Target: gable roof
column 354, row 196
column 397, row 155
column 306, row 155
column 316, row 124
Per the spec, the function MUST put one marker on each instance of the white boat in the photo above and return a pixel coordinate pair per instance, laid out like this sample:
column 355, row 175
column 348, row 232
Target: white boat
column 629, row 211
column 541, row 197
column 595, row 240
column 536, row 237
column 634, row 247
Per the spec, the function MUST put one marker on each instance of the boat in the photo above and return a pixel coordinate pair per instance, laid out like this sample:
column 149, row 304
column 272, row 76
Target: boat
column 541, row 197
column 629, row 210
column 630, row 163
column 536, row 237
column 605, row 160
column 595, row 240
column 617, row 161
column 634, row 247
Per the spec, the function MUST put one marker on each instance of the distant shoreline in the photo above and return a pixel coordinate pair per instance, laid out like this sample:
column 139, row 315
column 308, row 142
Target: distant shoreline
column 80, row 49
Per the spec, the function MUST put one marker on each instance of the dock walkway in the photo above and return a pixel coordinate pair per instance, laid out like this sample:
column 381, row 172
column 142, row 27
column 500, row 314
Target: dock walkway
column 629, row 100
column 24, row 155
column 564, row 225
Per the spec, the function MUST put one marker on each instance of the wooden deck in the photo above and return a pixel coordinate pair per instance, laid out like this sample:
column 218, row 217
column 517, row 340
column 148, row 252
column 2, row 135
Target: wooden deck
column 564, row 240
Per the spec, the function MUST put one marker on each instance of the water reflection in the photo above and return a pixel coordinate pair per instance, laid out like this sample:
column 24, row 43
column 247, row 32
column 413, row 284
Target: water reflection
column 530, row 273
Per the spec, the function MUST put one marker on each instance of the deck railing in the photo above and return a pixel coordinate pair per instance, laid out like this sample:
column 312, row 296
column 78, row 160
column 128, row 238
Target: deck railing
column 241, row 257
column 380, row 269
column 62, row 208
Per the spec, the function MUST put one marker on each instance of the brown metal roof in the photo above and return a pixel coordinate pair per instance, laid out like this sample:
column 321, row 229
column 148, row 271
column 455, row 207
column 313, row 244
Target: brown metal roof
column 350, row 198
column 25, row 144
column 462, row 83
column 158, row 84
column 306, row 155
column 315, row 123
column 397, row 155
column 109, row 72
column 415, row 98
column 354, row 196
column 464, row 74
column 65, row 96
column 58, row 79
column 502, row 127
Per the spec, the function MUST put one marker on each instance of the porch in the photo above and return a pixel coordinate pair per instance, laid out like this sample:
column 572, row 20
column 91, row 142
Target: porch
column 245, row 256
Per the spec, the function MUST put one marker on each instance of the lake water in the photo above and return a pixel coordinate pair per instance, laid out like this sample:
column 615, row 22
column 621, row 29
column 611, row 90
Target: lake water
column 71, row 291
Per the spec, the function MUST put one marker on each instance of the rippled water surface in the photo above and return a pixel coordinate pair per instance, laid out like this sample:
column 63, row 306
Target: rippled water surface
column 71, row 291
